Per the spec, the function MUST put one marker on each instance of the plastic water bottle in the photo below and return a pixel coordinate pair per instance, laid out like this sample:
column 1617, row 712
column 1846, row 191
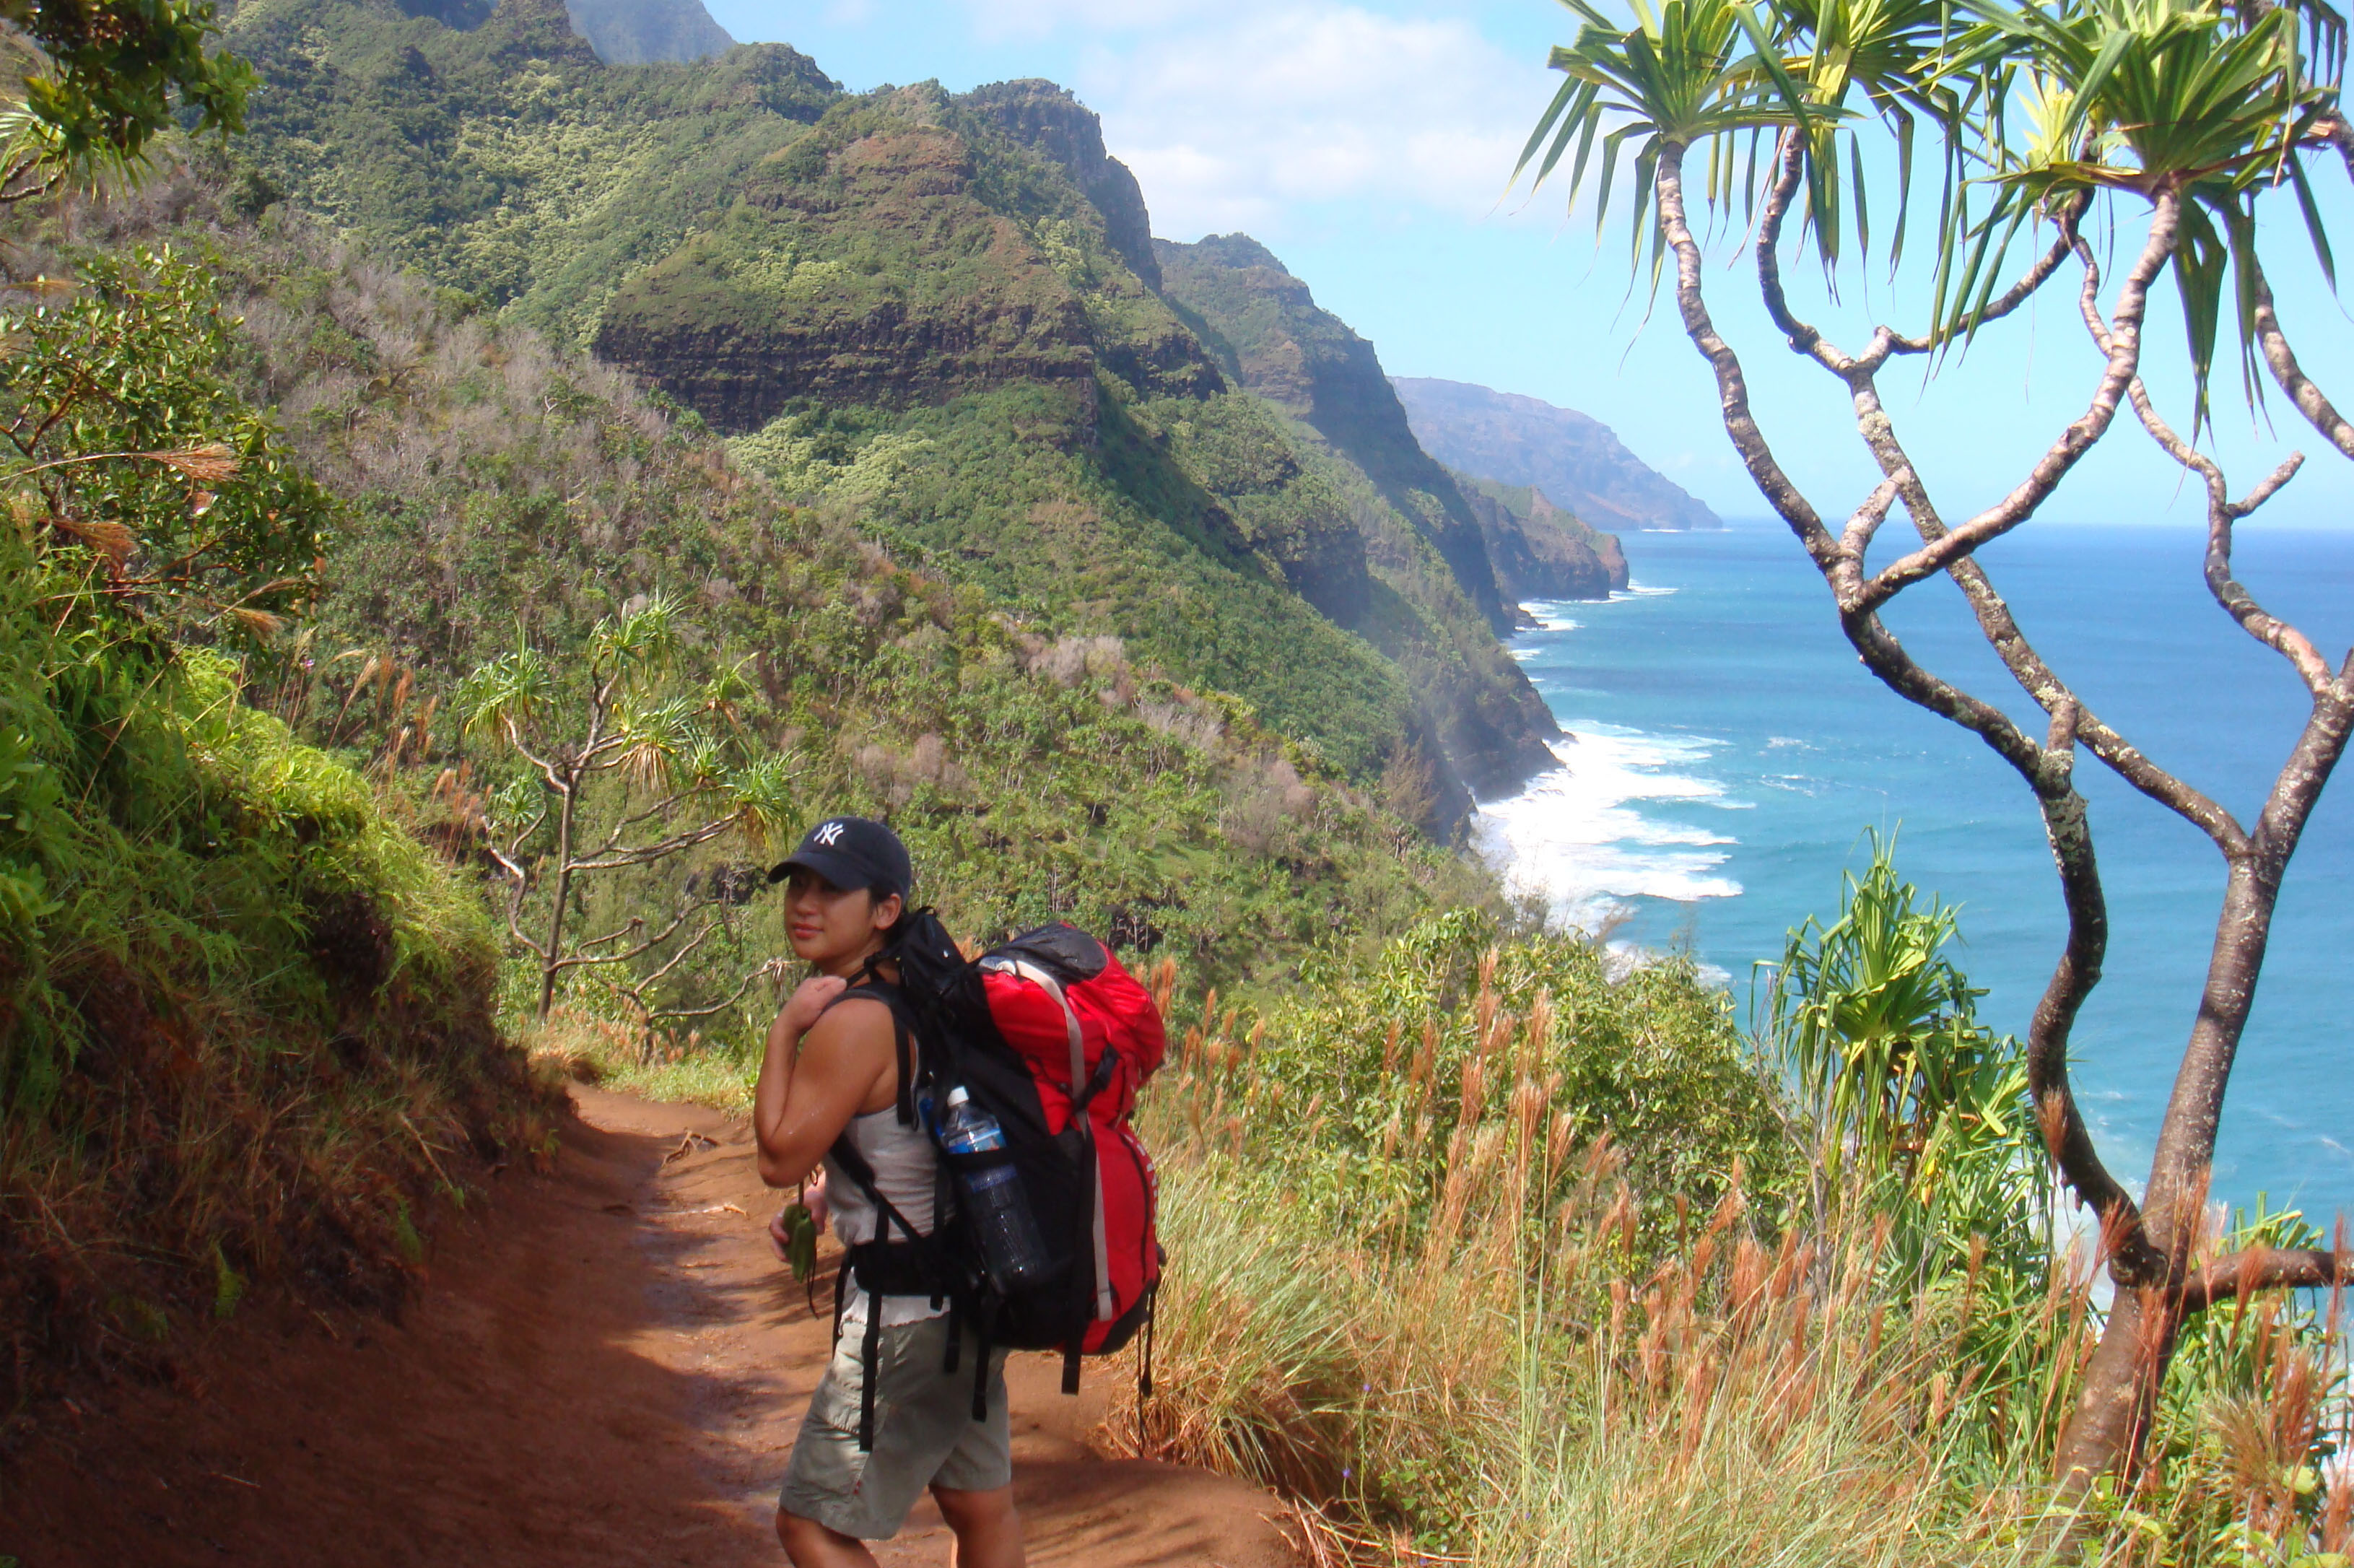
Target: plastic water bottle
column 994, row 1204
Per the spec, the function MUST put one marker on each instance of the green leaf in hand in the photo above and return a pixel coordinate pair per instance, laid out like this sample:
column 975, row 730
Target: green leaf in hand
column 800, row 1240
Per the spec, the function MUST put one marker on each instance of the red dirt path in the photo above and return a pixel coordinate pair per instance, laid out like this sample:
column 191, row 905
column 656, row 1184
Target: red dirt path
column 602, row 1368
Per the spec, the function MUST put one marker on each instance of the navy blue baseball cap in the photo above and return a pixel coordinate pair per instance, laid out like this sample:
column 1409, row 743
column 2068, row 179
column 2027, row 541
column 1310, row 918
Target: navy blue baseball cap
column 853, row 852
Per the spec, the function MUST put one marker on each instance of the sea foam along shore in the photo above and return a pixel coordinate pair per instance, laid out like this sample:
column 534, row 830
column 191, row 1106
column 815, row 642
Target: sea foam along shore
column 1579, row 837
column 1588, row 836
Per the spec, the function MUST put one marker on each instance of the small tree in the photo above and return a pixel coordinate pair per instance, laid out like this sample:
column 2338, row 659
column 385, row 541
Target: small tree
column 2179, row 118
column 1911, row 1103
column 672, row 761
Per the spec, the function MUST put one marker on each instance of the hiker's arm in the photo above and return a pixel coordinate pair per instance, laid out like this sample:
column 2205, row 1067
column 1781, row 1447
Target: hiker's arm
column 819, row 1068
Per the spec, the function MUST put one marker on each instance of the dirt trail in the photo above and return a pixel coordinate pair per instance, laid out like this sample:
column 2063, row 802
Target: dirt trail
column 602, row 1368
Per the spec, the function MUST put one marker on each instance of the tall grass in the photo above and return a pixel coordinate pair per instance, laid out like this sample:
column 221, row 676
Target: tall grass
column 1479, row 1339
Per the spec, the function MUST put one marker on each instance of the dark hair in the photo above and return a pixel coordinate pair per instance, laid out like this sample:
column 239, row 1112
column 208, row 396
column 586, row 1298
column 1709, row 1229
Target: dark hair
column 878, row 892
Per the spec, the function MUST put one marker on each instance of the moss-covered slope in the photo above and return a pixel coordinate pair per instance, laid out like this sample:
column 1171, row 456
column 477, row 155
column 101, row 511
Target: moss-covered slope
column 506, row 160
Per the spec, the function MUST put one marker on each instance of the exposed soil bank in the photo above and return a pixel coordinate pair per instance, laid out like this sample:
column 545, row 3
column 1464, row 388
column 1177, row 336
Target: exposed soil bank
column 601, row 1367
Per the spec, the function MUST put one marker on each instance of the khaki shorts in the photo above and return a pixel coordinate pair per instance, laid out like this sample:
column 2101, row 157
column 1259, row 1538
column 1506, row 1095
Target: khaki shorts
column 924, row 1434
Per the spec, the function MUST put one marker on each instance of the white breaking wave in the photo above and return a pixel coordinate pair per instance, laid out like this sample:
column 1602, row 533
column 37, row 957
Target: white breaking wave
column 1551, row 614
column 1579, row 839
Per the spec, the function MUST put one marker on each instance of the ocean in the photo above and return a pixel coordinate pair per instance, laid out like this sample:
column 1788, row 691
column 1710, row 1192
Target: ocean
column 1729, row 753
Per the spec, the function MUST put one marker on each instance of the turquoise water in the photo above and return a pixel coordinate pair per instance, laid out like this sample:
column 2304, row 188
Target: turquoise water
column 1730, row 752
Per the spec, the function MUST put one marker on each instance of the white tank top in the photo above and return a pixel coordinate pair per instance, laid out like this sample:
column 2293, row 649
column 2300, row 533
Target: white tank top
column 906, row 1173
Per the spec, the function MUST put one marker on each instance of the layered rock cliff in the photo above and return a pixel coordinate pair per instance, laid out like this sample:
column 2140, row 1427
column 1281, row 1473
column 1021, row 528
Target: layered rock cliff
column 1574, row 459
column 1538, row 550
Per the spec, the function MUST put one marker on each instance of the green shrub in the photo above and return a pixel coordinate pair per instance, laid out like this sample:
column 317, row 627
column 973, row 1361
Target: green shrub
column 243, row 1016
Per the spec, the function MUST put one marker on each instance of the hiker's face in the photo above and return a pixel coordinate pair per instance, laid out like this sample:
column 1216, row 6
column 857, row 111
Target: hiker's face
column 830, row 925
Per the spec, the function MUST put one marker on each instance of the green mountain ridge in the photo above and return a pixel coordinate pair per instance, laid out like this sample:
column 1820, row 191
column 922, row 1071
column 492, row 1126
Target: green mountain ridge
column 1574, row 459
column 942, row 317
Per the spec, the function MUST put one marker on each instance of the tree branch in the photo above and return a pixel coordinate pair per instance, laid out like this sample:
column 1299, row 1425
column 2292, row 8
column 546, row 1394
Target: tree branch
column 2271, row 342
column 644, row 853
column 1733, row 387
column 2047, row 770
column 2124, row 362
column 2001, row 630
column 574, row 960
column 2242, row 1274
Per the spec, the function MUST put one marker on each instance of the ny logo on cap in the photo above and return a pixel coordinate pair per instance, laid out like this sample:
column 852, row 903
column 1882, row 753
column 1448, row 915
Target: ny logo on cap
column 829, row 835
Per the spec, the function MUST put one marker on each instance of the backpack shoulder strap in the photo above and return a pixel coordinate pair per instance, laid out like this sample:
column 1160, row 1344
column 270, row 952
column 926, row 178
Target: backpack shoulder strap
column 873, row 988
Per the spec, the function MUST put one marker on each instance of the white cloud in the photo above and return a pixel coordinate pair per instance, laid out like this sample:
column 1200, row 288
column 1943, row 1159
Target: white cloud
column 1233, row 115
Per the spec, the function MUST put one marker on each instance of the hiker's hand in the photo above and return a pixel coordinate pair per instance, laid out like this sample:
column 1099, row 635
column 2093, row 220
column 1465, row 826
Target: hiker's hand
column 814, row 1200
column 809, row 1000
column 780, row 1240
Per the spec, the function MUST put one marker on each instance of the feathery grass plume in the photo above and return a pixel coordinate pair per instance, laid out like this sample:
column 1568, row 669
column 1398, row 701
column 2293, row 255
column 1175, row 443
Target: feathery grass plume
column 211, row 464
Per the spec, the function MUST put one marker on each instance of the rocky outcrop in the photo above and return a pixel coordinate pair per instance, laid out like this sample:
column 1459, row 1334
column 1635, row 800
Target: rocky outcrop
column 1540, row 551
column 861, row 267
column 1574, row 459
column 1265, row 324
column 644, row 31
column 1048, row 120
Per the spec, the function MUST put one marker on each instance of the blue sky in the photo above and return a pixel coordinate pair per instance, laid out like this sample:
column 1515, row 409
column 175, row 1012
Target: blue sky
column 1368, row 145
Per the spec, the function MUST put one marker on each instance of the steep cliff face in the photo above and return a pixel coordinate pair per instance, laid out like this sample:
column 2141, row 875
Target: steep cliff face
column 1267, row 325
column 1433, row 606
column 644, row 32
column 859, row 267
column 1574, row 459
column 896, row 256
column 1048, row 120
column 1540, row 551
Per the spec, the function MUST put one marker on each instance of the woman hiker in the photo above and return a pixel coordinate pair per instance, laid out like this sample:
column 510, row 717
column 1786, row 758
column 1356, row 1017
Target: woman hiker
column 831, row 1071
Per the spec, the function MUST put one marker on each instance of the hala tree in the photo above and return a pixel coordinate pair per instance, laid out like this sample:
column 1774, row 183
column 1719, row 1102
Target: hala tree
column 672, row 777
column 2177, row 121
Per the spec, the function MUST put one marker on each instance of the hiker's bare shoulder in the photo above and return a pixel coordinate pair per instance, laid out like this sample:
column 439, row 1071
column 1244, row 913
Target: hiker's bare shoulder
column 846, row 1026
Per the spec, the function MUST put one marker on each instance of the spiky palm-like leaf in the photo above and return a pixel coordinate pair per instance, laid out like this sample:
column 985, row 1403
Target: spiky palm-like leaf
column 2146, row 96
column 507, row 696
column 637, row 645
column 655, row 738
column 1685, row 74
column 766, row 806
column 1884, row 60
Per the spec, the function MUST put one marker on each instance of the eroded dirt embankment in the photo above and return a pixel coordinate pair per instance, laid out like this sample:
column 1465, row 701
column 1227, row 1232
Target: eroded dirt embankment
column 603, row 1366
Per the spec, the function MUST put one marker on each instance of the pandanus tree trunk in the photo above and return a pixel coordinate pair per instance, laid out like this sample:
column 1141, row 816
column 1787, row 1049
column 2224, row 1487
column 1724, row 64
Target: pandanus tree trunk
column 2152, row 1249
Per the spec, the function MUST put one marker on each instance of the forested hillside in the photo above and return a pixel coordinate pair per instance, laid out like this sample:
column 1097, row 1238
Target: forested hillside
column 936, row 318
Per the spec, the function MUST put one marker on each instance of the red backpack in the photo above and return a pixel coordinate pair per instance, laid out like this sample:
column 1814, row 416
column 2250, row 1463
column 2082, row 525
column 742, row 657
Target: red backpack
column 1029, row 1030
